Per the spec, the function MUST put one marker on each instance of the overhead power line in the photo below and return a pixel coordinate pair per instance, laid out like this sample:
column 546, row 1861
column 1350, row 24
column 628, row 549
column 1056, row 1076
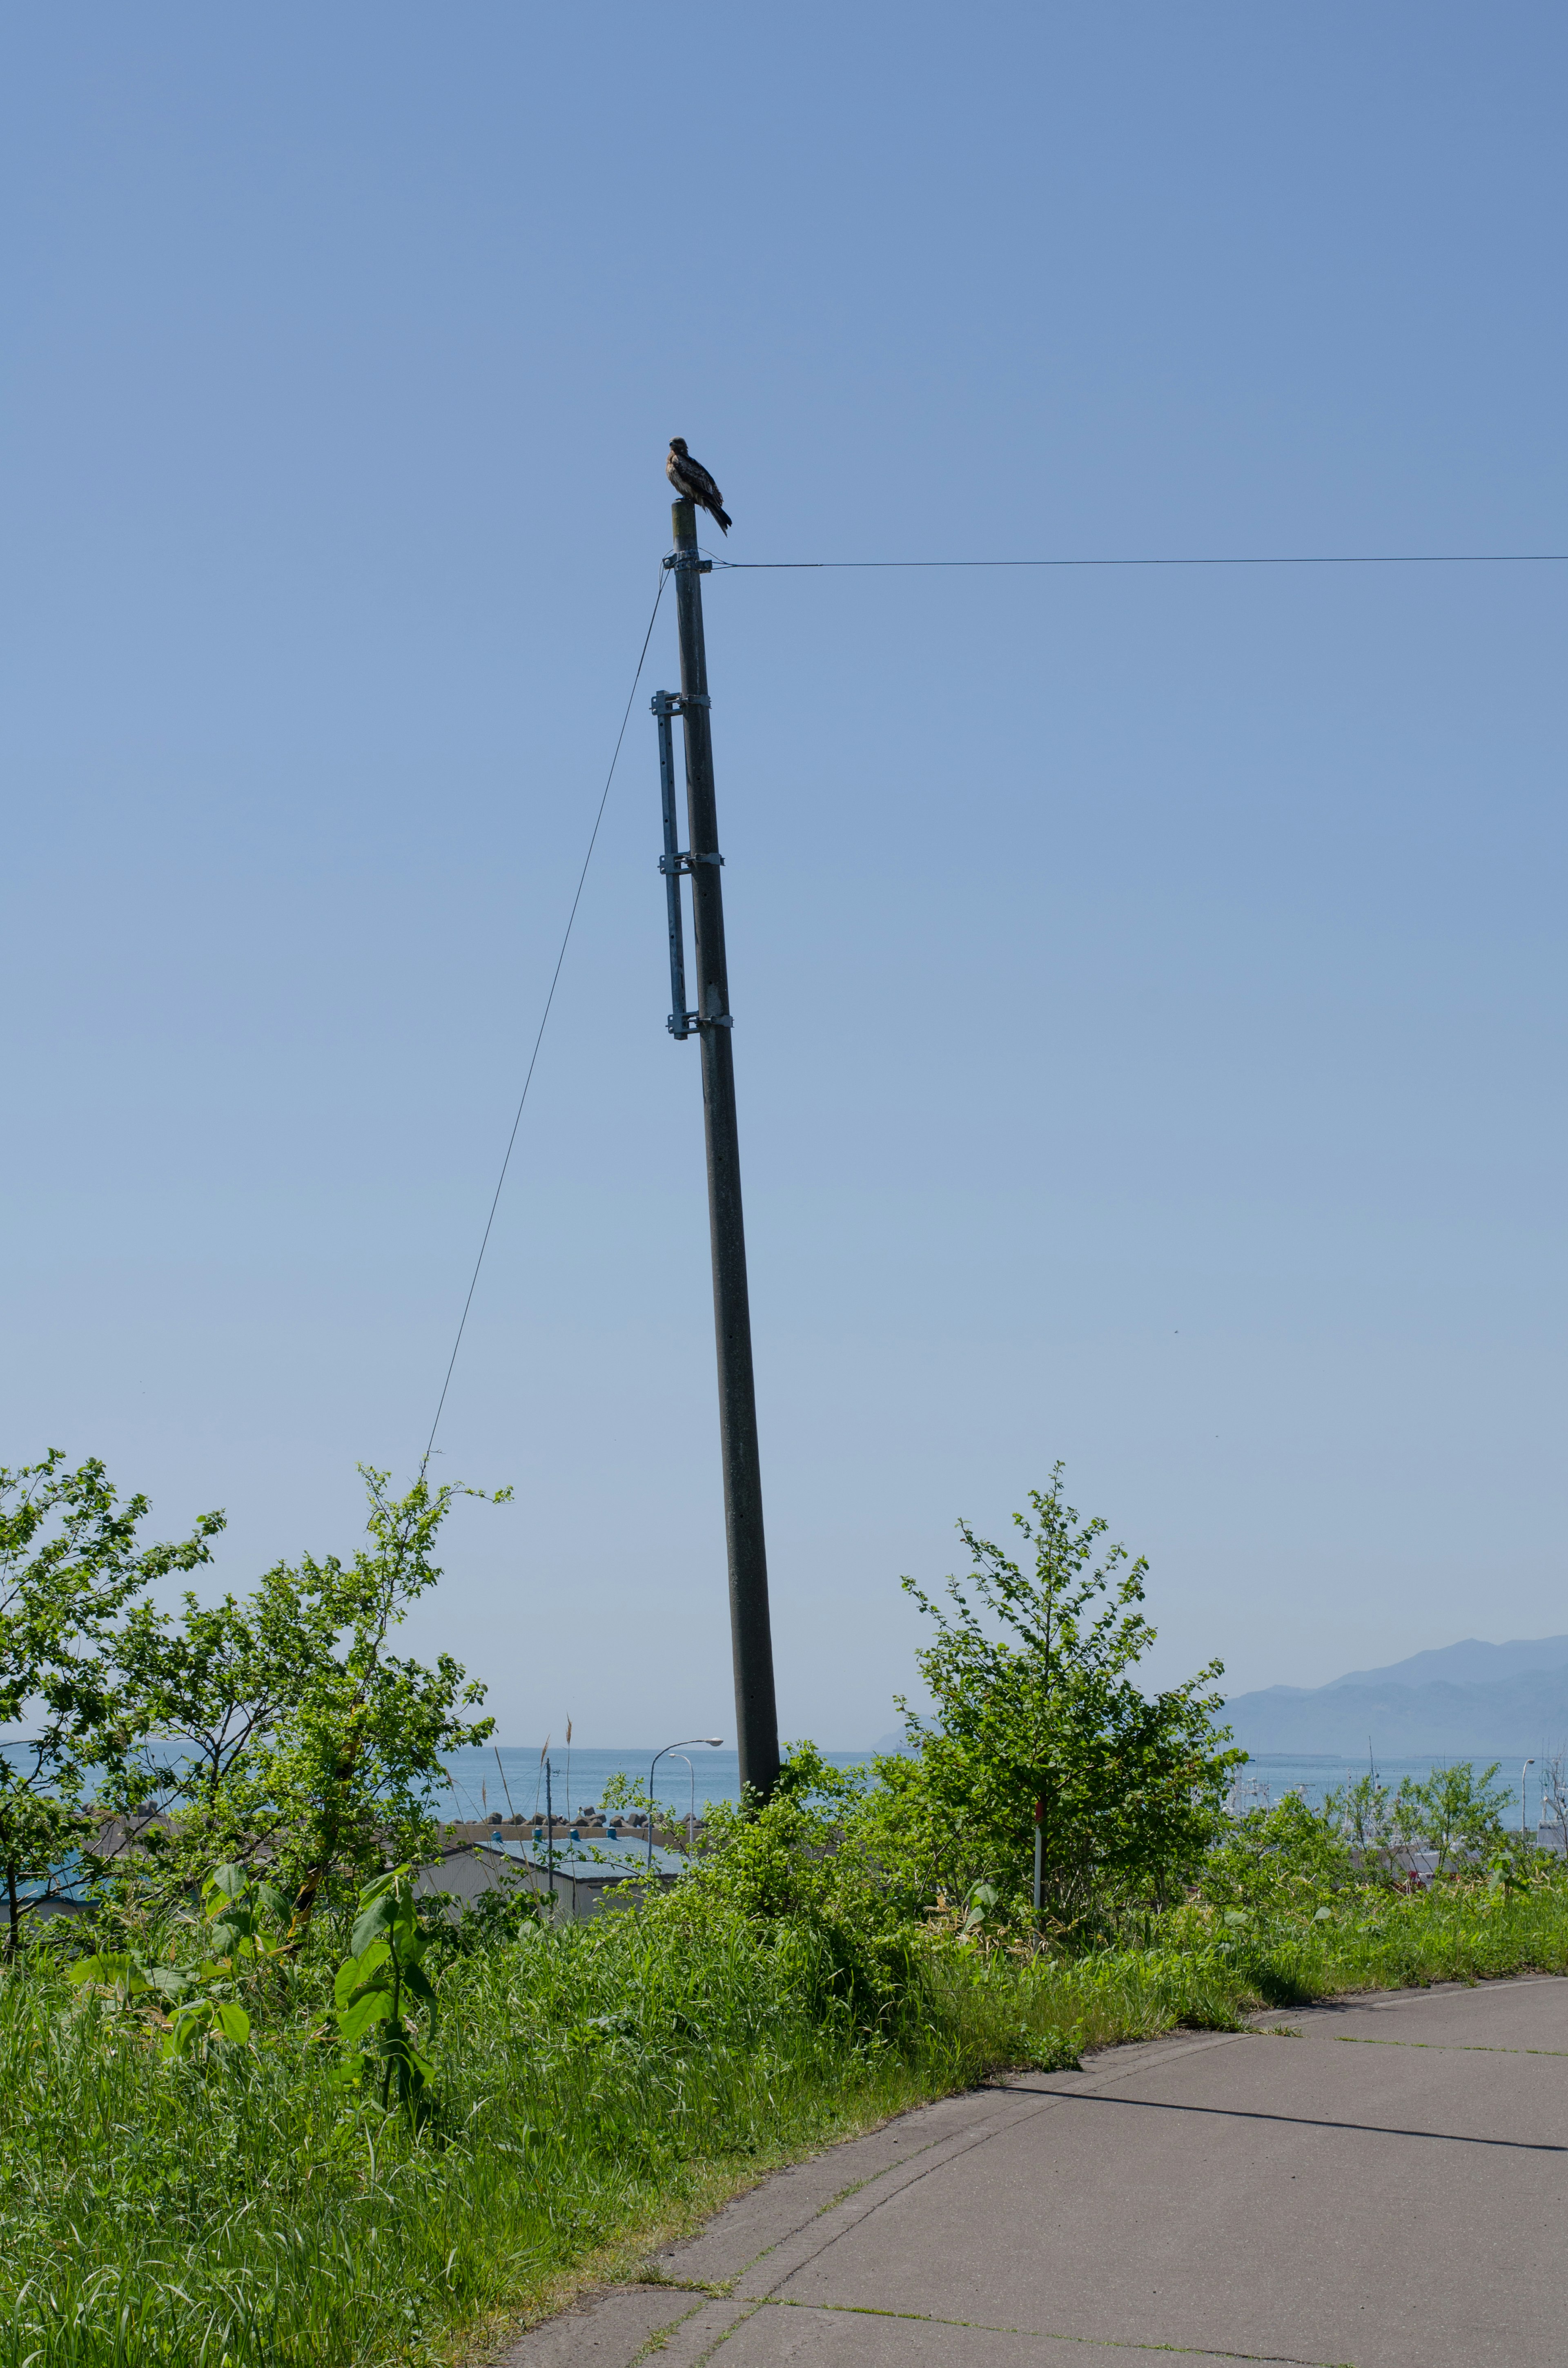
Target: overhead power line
column 1266, row 559
column 762, row 567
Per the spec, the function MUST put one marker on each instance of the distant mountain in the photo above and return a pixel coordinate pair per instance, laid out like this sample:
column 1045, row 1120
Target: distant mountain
column 1461, row 1700
column 1470, row 1664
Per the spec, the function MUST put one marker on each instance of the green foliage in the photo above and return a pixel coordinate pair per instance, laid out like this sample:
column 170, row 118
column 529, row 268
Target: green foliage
column 1035, row 1704
column 802, row 1869
column 1279, row 1861
column 70, row 1564
column 1455, row 1812
column 267, row 2129
column 377, row 1988
column 200, row 2002
column 243, row 2200
column 303, row 1743
column 238, row 1908
column 1363, row 1812
column 609, row 2076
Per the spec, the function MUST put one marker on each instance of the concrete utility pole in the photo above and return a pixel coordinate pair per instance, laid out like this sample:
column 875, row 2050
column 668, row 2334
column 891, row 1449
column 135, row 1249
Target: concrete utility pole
column 756, row 1717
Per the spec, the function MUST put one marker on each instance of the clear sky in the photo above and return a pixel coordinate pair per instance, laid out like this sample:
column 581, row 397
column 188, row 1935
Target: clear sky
column 1148, row 984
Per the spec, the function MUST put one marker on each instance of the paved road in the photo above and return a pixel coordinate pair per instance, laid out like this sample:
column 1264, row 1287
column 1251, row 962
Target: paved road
column 1386, row 2187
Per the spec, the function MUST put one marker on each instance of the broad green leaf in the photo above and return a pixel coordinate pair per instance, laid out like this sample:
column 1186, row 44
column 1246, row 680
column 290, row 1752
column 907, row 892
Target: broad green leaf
column 234, row 2018
column 381, row 1907
column 191, row 2024
column 416, row 1982
column 354, row 1970
column 98, row 1969
column 229, row 1882
column 374, row 2006
column 120, row 1968
column 374, row 1921
column 168, row 1980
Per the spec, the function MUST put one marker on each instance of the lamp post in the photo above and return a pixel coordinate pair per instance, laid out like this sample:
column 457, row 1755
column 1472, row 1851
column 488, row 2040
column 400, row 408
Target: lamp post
column 685, row 1743
column 1523, row 1826
column 691, row 1819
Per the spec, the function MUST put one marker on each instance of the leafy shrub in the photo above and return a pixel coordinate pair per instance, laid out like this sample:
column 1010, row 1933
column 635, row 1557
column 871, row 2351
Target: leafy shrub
column 801, row 1870
column 1279, row 1861
column 1037, row 1717
column 295, row 1739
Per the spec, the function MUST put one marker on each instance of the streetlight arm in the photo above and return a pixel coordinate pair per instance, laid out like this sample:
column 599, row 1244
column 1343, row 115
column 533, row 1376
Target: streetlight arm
column 713, row 1741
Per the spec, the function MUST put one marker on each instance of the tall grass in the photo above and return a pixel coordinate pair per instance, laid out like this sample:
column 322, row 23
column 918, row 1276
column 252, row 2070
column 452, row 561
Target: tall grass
column 246, row 2212
column 1202, row 1971
column 593, row 2082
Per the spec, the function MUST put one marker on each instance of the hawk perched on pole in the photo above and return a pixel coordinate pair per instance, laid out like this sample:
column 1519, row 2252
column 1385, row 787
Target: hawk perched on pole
column 692, row 482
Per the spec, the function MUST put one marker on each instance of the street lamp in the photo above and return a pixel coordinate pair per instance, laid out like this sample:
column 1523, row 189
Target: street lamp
column 691, row 1821
column 687, row 1741
column 1524, row 1828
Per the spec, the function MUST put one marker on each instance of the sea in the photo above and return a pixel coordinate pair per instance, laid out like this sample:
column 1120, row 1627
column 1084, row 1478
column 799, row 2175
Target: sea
column 511, row 1778
column 1269, row 1776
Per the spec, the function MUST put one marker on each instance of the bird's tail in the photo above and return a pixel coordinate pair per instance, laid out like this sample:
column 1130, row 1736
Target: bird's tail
column 723, row 518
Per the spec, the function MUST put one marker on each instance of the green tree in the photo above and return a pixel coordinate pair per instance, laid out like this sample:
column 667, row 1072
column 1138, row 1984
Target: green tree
column 302, row 1743
column 1279, row 1860
column 70, row 1564
column 1456, row 1812
column 1035, row 1704
column 1363, row 1812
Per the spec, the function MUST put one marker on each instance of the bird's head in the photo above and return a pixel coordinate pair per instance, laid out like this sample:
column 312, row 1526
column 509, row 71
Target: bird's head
column 677, row 444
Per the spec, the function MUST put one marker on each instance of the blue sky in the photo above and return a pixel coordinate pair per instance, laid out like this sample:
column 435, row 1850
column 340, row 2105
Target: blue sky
column 1148, row 993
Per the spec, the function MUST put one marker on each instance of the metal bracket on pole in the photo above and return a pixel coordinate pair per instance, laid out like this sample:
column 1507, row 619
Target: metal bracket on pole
column 685, row 560
column 667, row 705
column 671, row 863
column 694, row 1020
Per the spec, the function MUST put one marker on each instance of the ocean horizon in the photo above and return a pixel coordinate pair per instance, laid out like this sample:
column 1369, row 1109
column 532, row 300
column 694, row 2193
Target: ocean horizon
column 510, row 1776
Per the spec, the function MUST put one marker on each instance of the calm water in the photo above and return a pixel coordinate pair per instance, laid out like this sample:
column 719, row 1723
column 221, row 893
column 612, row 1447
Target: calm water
column 516, row 1786
column 1275, row 1774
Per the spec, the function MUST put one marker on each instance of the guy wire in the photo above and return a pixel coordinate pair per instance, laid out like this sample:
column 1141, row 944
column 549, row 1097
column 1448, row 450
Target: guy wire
column 544, row 1016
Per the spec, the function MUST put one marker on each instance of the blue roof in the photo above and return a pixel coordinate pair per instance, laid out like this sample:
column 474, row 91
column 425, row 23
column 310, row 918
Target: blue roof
column 612, row 1862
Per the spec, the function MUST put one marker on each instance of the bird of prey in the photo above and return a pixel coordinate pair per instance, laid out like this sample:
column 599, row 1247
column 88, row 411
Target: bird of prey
column 691, row 480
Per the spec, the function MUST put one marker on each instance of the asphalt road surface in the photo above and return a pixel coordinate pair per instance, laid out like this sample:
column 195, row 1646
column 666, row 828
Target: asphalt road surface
column 1380, row 2182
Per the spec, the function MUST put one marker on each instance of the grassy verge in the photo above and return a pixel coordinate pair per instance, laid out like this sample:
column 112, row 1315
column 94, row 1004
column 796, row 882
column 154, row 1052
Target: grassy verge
column 1204, row 1971
column 598, row 2087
